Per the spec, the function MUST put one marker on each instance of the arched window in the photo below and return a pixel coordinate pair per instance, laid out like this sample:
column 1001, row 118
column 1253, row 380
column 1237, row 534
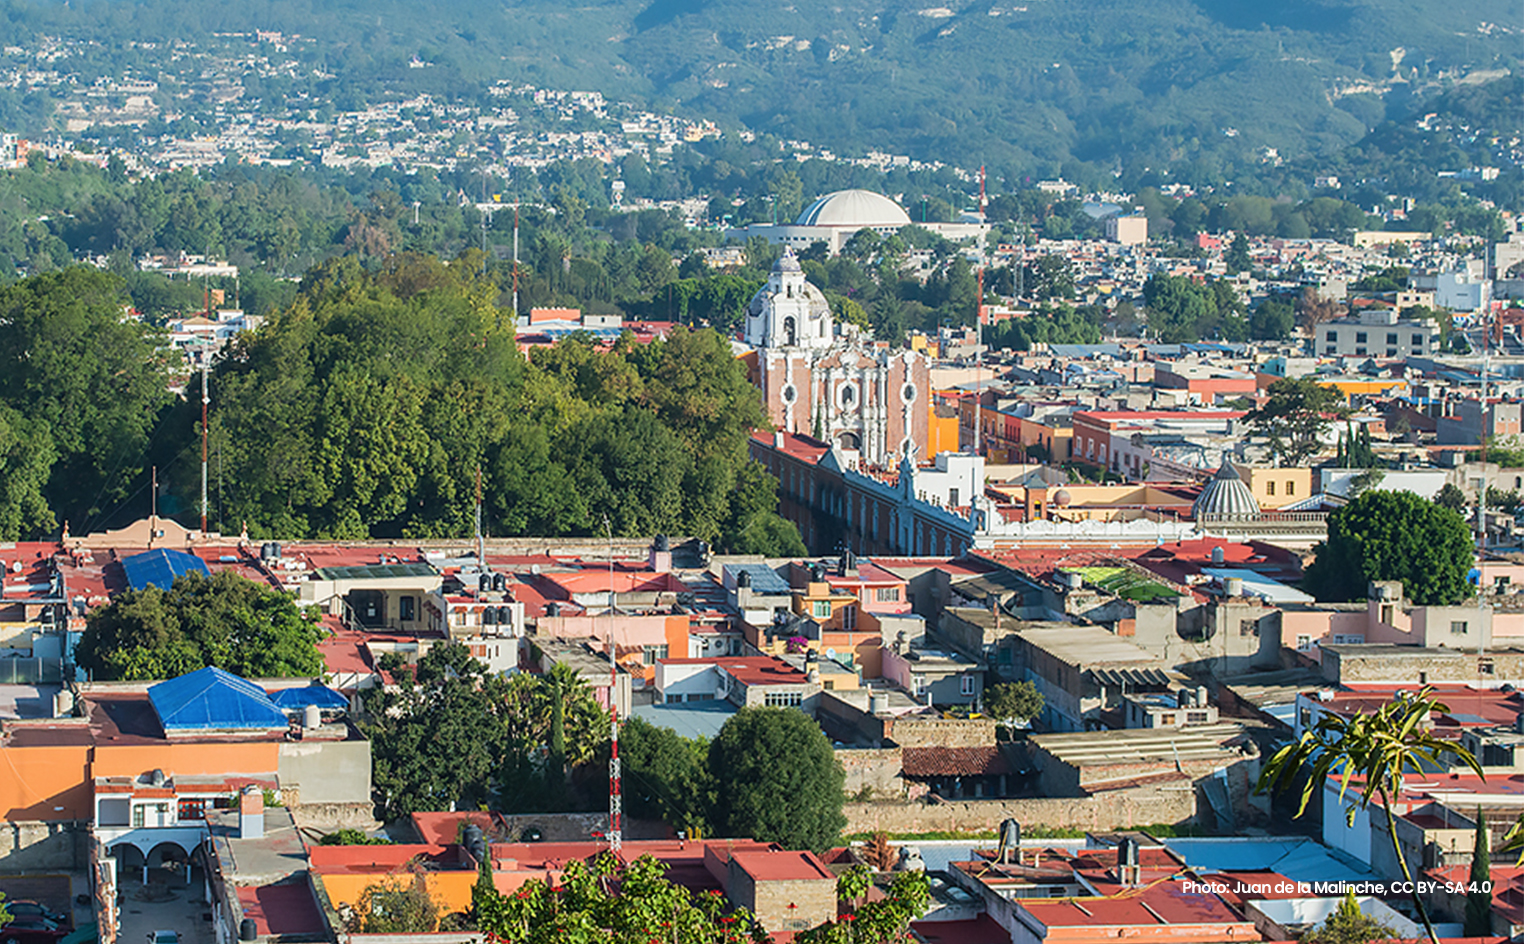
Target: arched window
column 790, row 331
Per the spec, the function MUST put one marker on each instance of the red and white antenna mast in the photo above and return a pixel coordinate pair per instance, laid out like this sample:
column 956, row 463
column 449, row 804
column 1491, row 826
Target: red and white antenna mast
column 616, row 788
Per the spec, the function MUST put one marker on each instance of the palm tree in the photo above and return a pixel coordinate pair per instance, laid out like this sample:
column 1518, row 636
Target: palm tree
column 1371, row 753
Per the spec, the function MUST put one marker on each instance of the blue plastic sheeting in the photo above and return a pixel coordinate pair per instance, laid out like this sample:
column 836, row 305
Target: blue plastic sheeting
column 213, row 700
column 1301, row 860
column 160, row 567
column 293, row 699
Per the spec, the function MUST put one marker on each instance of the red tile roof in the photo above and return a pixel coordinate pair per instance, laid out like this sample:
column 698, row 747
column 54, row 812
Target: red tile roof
column 749, row 670
column 980, row 930
column 782, row 866
column 954, row 762
column 282, row 909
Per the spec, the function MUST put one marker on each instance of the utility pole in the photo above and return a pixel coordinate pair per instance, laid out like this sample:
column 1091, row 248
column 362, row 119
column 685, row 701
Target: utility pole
column 481, row 541
column 515, row 263
column 206, row 357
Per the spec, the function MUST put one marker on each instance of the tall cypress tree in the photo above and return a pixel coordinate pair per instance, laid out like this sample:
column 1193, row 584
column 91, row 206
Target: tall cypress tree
column 1478, row 901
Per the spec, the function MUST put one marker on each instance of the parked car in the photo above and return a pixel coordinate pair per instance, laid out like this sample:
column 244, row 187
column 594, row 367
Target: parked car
column 30, row 929
column 163, row 937
column 24, row 906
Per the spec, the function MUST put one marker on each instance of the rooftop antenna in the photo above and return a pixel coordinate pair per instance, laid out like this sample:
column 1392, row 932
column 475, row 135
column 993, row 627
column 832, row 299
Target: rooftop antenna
column 616, row 798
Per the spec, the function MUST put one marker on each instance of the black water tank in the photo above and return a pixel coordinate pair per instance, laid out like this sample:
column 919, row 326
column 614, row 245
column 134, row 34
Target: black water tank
column 247, row 930
column 500, row 582
column 275, row 549
column 744, row 580
column 475, row 841
column 489, row 616
column 504, row 616
column 662, row 543
column 484, row 582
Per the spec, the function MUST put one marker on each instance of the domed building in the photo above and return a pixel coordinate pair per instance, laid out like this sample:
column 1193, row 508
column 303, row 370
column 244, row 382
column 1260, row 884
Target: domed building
column 1225, row 496
column 837, row 386
column 837, row 217
column 857, row 209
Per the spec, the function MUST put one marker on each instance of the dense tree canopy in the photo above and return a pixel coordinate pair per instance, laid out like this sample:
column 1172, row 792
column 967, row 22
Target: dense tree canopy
column 225, row 620
column 1384, row 535
column 451, row 735
column 366, row 408
column 776, row 779
column 80, row 392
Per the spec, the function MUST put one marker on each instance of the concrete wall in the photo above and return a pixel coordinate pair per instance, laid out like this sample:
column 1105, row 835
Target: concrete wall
column 30, row 846
column 919, row 731
column 1116, row 809
column 1346, row 664
column 875, row 769
column 783, row 905
column 327, row 771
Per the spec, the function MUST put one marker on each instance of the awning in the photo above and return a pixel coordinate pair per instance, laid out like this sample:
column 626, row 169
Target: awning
column 1130, row 678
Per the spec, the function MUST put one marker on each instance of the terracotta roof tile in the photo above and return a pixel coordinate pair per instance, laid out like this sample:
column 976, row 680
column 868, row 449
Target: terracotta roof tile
column 954, row 762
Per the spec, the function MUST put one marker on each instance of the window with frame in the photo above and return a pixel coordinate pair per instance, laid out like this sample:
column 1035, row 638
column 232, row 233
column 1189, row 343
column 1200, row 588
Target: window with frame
column 783, row 699
column 191, row 809
column 821, row 609
column 1196, row 717
column 887, row 594
column 849, row 617
column 1391, row 338
column 407, row 608
column 1270, row 488
column 139, row 815
column 1418, row 341
column 649, row 654
column 1290, row 488
column 966, row 685
column 1459, row 627
column 1359, row 337
column 1166, row 720
column 1333, row 336
column 1303, row 643
column 919, row 683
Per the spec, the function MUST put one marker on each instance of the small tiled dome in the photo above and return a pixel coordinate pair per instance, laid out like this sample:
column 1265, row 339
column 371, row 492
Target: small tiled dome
column 1226, row 495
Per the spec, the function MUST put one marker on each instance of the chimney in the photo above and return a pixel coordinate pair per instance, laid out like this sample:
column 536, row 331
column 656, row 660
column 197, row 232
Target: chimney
column 251, row 813
column 661, row 555
column 778, row 439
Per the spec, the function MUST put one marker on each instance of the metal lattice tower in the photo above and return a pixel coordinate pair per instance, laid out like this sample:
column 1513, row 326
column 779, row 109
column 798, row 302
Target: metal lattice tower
column 616, row 788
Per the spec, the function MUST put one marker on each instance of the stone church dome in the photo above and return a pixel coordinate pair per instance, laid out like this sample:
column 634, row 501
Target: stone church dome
column 854, row 209
column 1226, row 495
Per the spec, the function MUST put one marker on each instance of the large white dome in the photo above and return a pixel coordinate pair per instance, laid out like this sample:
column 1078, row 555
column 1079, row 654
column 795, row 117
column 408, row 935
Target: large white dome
column 855, row 209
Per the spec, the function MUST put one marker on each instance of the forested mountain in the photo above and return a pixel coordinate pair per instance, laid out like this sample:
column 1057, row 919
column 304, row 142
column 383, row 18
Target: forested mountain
column 1038, row 87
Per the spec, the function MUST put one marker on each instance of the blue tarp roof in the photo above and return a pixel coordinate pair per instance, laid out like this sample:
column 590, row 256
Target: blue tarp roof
column 764, row 579
column 1301, row 860
column 291, row 699
column 160, row 567
column 214, row 700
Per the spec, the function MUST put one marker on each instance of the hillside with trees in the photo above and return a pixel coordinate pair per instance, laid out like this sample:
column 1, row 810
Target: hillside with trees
column 1059, row 91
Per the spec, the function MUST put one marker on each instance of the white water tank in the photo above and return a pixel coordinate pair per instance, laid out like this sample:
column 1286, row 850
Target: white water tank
column 878, row 703
column 312, row 717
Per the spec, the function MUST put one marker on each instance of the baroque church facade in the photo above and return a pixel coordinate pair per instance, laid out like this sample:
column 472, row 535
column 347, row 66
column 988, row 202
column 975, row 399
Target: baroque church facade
column 842, row 388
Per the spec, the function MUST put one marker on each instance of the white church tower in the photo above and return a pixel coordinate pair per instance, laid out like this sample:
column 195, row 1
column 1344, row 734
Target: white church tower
column 789, row 312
